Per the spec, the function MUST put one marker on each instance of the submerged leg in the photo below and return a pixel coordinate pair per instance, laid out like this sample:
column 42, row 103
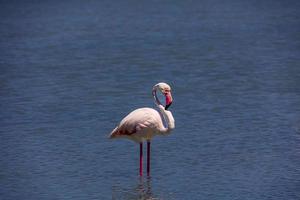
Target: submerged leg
column 148, row 158
column 141, row 159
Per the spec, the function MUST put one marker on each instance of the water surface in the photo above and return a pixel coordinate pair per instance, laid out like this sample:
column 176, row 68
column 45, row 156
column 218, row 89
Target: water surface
column 71, row 70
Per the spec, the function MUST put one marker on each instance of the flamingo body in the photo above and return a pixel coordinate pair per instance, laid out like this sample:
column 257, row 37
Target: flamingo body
column 140, row 125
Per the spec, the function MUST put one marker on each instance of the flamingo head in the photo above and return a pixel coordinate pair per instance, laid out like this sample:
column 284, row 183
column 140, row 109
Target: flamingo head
column 165, row 89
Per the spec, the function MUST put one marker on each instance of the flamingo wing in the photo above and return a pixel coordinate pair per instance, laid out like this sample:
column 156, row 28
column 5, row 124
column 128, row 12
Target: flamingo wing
column 139, row 125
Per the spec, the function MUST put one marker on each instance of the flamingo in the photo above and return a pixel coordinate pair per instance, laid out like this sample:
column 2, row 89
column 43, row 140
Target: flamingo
column 144, row 123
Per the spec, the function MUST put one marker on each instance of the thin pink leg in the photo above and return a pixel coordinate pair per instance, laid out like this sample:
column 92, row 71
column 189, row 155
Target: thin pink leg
column 141, row 159
column 148, row 158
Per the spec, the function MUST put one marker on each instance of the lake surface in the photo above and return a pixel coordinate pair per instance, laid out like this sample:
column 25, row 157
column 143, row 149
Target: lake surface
column 71, row 70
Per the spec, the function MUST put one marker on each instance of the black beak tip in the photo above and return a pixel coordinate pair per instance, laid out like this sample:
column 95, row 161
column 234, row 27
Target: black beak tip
column 167, row 106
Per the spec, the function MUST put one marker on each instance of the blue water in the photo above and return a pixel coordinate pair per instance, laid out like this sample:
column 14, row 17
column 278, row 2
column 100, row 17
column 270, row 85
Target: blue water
column 71, row 70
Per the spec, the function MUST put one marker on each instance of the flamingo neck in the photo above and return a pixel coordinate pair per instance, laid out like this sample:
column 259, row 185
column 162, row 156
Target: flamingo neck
column 167, row 115
column 156, row 100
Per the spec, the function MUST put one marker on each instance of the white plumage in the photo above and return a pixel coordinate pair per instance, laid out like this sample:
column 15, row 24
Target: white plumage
column 142, row 124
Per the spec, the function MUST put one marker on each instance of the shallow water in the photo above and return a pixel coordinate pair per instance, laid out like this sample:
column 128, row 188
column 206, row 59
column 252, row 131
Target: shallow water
column 70, row 71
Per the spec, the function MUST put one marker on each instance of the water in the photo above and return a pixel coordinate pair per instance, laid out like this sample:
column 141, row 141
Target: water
column 71, row 70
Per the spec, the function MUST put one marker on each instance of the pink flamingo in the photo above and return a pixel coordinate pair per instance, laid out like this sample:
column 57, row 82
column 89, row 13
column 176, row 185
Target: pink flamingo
column 144, row 123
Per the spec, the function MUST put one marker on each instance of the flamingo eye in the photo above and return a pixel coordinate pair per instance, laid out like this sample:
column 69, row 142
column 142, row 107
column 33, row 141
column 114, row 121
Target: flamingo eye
column 166, row 91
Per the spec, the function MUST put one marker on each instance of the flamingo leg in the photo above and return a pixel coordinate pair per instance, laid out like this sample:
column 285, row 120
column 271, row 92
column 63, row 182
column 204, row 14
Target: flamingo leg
column 148, row 158
column 141, row 159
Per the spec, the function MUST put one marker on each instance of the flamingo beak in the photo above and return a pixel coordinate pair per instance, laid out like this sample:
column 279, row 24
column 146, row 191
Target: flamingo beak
column 169, row 100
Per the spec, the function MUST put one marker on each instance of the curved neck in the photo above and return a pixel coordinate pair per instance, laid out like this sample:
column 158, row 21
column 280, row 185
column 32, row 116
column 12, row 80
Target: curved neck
column 156, row 100
column 167, row 115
